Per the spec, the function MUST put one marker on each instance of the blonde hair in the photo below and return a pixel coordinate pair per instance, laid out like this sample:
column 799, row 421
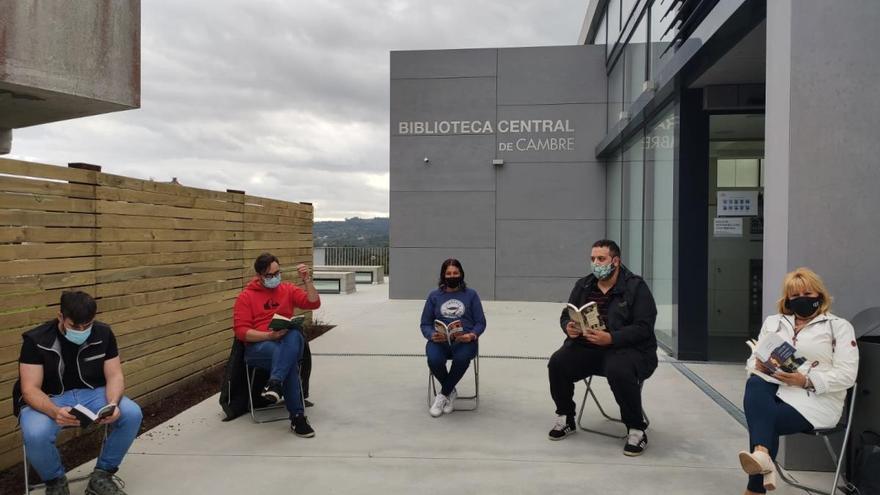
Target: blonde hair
column 803, row 280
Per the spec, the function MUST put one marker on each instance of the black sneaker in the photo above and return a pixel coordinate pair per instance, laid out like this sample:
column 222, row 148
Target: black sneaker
column 300, row 427
column 58, row 486
column 104, row 483
column 636, row 442
column 273, row 392
column 564, row 427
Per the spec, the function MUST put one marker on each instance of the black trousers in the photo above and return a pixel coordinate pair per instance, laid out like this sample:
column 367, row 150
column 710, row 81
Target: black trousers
column 305, row 370
column 624, row 369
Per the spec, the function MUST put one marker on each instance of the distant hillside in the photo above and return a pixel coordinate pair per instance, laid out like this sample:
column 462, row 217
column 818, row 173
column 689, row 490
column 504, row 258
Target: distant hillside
column 361, row 232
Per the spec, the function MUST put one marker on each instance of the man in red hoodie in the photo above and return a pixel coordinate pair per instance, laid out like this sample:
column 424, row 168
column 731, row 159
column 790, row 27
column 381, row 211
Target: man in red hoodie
column 279, row 351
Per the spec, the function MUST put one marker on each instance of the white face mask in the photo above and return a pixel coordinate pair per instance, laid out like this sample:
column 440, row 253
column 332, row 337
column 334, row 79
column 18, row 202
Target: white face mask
column 272, row 282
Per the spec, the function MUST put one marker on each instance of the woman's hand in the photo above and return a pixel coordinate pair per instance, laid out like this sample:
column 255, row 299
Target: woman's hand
column 793, row 379
column 438, row 337
column 760, row 366
column 466, row 337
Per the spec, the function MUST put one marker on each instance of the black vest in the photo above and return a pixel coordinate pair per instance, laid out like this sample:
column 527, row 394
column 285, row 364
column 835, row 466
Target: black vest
column 89, row 362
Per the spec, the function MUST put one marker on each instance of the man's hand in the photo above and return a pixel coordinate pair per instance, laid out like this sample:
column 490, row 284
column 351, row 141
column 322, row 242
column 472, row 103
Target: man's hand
column 277, row 334
column 438, row 337
column 113, row 417
column 573, row 330
column 598, row 337
column 465, row 337
column 303, row 272
column 64, row 418
column 794, row 379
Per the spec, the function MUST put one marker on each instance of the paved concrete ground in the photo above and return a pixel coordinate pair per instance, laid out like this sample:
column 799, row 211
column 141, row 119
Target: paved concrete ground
column 374, row 434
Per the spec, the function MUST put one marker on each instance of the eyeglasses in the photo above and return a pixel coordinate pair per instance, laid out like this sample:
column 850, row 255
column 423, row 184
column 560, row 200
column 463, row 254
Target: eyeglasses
column 273, row 274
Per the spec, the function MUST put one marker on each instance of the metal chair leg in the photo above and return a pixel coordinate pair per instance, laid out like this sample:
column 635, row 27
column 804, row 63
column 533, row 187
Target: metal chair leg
column 432, row 389
column 590, row 393
column 250, row 373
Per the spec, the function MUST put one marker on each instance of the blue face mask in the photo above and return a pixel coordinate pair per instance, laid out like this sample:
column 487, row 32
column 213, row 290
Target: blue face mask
column 602, row 272
column 272, row 282
column 77, row 336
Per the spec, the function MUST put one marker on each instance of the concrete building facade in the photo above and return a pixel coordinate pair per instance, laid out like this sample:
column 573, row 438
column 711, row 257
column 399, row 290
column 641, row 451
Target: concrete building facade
column 64, row 60
column 721, row 143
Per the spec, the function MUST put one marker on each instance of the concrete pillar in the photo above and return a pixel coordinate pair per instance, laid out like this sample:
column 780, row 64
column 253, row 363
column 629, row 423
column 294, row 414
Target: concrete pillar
column 822, row 182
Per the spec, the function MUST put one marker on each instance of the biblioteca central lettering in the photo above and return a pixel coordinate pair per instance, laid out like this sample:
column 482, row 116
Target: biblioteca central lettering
column 483, row 126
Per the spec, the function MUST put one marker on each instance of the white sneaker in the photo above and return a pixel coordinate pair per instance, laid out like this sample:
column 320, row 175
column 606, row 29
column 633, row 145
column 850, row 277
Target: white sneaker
column 439, row 403
column 450, row 402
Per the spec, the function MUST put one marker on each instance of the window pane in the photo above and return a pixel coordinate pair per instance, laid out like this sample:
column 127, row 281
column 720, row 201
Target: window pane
column 726, row 173
column 747, row 172
column 615, row 93
column 601, row 31
column 660, row 221
column 636, row 51
column 633, row 179
column 613, row 10
column 659, row 42
column 612, row 199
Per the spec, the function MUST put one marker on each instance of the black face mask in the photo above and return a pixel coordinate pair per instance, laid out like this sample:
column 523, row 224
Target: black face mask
column 452, row 282
column 804, row 306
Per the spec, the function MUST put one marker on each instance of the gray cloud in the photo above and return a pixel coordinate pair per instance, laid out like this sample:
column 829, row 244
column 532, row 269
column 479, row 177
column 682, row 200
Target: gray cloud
column 284, row 99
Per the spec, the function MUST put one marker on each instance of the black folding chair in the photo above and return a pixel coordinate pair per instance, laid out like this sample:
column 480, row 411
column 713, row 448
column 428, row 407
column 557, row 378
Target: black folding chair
column 474, row 399
column 824, row 433
column 590, row 393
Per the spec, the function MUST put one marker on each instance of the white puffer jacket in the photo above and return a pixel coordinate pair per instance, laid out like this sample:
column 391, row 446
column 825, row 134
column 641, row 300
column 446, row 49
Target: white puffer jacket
column 828, row 343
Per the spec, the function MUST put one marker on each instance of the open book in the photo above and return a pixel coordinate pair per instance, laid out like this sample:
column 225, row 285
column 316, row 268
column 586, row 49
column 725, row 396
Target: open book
column 776, row 354
column 587, row 317
column 87, row 417
column 282, row 322
column 449, row 331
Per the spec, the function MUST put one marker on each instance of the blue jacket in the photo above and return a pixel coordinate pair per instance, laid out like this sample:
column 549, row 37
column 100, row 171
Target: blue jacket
column 447, row 307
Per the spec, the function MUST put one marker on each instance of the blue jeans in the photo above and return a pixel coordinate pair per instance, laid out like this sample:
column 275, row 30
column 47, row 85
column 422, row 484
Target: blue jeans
column 461, row 354
column 768, row 417
column 281, row 359
column 40, row 431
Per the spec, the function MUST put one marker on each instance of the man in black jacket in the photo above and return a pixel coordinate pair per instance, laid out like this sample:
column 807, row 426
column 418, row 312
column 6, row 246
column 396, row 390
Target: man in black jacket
column 626, row 354
column 67, row 362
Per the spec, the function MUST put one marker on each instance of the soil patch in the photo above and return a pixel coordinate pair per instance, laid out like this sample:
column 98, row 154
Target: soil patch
column 87, row 446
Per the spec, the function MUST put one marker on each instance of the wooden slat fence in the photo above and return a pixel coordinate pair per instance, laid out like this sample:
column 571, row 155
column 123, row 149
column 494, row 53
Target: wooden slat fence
column 164, row 261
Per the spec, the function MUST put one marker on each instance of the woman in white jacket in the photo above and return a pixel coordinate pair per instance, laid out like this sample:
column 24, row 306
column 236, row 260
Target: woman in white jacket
column 814, row 395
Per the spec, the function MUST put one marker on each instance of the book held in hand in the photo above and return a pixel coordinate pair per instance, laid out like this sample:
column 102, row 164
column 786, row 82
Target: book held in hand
column 87, row 417
column 776, row 354
column 587, row 317
column 283, row 323
column 448, row 330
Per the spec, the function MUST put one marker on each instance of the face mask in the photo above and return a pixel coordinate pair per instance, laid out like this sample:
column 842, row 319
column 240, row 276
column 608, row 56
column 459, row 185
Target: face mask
column 602, row 272
column 452, row 282
column 272, row 282
column 77, row 336
column 804, row 306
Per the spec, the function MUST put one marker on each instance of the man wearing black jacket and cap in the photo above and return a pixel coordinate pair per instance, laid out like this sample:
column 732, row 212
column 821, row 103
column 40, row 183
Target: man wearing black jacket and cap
column 626, row 354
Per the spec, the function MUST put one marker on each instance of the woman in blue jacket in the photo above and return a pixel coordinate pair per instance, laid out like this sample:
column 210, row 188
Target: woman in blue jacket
column 457, row 306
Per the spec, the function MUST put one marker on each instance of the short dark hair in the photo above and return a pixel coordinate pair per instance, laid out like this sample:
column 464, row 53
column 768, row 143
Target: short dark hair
column 263, row 262
column 612, row 246
column 454, row 262
column 78, row 306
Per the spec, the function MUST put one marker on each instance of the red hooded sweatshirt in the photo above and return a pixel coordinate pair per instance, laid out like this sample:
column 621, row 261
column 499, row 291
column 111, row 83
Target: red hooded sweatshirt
column 256, row 305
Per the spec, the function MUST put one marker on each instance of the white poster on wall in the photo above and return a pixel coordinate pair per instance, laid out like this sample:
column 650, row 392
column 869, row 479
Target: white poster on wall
column 737, row 203
column 728, row 227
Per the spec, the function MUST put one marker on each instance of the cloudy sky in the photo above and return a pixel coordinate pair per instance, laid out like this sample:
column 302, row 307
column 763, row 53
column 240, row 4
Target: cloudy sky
column 285, row 99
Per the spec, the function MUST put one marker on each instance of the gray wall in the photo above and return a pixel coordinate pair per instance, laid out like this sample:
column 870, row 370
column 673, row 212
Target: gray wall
column 822, row 118
column 63, row 60
column 521, row 229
